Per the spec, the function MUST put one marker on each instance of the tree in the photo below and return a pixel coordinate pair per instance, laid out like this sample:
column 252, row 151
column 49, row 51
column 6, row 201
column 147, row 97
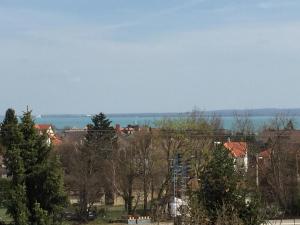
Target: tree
column 290, row 125
column 136, row 169
column 125, row 169
column 84, row 175
column 100, row 135
column 279, row 173
column 86, row 165
column 11, row 138
column 146, row 158
column 219, row 181
column 168, row 141
column 186, row 137
column 222, row 193
column 36, row 177
column 43, row 175
column 243, row 128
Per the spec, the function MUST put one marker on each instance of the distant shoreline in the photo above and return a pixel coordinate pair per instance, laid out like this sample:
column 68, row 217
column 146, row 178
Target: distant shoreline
column 267, row 112
column 258, row 118
column 221, row 113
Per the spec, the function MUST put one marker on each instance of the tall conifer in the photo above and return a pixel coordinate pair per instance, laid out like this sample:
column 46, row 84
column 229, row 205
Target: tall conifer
column 11, row 138
column 100, row 135
column 44, row 181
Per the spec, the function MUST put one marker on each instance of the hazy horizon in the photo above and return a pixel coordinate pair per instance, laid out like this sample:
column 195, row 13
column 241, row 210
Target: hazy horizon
column 222, row 112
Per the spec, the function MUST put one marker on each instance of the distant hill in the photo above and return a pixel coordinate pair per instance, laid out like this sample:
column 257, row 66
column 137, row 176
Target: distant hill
column 257, row 112
column 222, row 113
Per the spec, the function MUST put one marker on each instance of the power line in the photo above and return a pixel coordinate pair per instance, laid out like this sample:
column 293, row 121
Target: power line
column 181, row 132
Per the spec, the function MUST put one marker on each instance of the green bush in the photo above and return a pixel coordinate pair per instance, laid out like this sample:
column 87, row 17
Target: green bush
column 4, row 188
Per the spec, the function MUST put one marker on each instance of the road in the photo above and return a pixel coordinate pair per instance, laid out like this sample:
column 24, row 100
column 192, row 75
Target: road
column 285, row 222
column 271, row 222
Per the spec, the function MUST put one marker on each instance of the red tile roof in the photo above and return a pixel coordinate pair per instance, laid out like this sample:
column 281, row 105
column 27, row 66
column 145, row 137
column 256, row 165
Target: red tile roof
column 237, row 149
column 42, row 126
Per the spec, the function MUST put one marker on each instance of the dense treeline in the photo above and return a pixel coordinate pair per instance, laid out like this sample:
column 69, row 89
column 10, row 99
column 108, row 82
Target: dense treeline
column 151, row 167
column 36, row 193
column 139, row 167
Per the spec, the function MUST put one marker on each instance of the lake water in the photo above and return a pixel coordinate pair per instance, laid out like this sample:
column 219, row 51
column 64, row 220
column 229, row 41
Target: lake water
column 80, row 121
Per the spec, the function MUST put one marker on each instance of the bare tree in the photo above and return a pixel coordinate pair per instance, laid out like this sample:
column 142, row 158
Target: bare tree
column 243, row 128
column 146, row 156
column 279, row 169
column 84, row 176
column 167, row 145
column 125, row 167
column 187, row 137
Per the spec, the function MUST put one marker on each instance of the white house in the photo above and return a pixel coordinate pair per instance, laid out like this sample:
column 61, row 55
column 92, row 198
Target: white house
column 48, row 130
column 240, row 152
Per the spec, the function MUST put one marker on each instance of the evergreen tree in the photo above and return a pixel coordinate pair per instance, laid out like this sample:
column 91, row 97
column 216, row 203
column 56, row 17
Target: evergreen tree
column 100, row 129
column 100, row 135
column 290, row 125
column 35, row 150
column 219, row 182
column 11, row 138
column 222, row 193
column 49, row 188
column 93, row 157
column 40, row 216
column 44, row 182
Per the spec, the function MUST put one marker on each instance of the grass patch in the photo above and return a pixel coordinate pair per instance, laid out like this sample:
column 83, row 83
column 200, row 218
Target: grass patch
column 94, row 222
column 113, row 213
column 106, row 215
column 109, row 214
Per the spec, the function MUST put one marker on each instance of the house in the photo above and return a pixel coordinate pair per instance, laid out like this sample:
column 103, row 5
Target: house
column 47, row 129
column 130, row 129
column 240, row 152
column 74, row 135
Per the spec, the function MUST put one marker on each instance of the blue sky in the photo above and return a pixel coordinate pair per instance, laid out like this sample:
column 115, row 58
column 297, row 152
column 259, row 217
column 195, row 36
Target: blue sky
column 120, row 56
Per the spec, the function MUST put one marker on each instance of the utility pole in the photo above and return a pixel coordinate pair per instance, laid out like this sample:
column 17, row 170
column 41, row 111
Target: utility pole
column 174, row 175
column 174, row 190
column 297, row 168
column 257, row 168
column 257, row 181
column 177, row 178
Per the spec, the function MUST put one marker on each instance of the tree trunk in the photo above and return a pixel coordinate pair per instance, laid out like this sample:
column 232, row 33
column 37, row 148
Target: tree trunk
column 130, row 197
column 145, row 194
column 83, row 205
column 152, row 195
column 129, row 205
column 126, row 204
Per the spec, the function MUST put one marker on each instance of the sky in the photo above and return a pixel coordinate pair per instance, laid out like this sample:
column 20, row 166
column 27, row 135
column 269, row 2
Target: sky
column 133, row 56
